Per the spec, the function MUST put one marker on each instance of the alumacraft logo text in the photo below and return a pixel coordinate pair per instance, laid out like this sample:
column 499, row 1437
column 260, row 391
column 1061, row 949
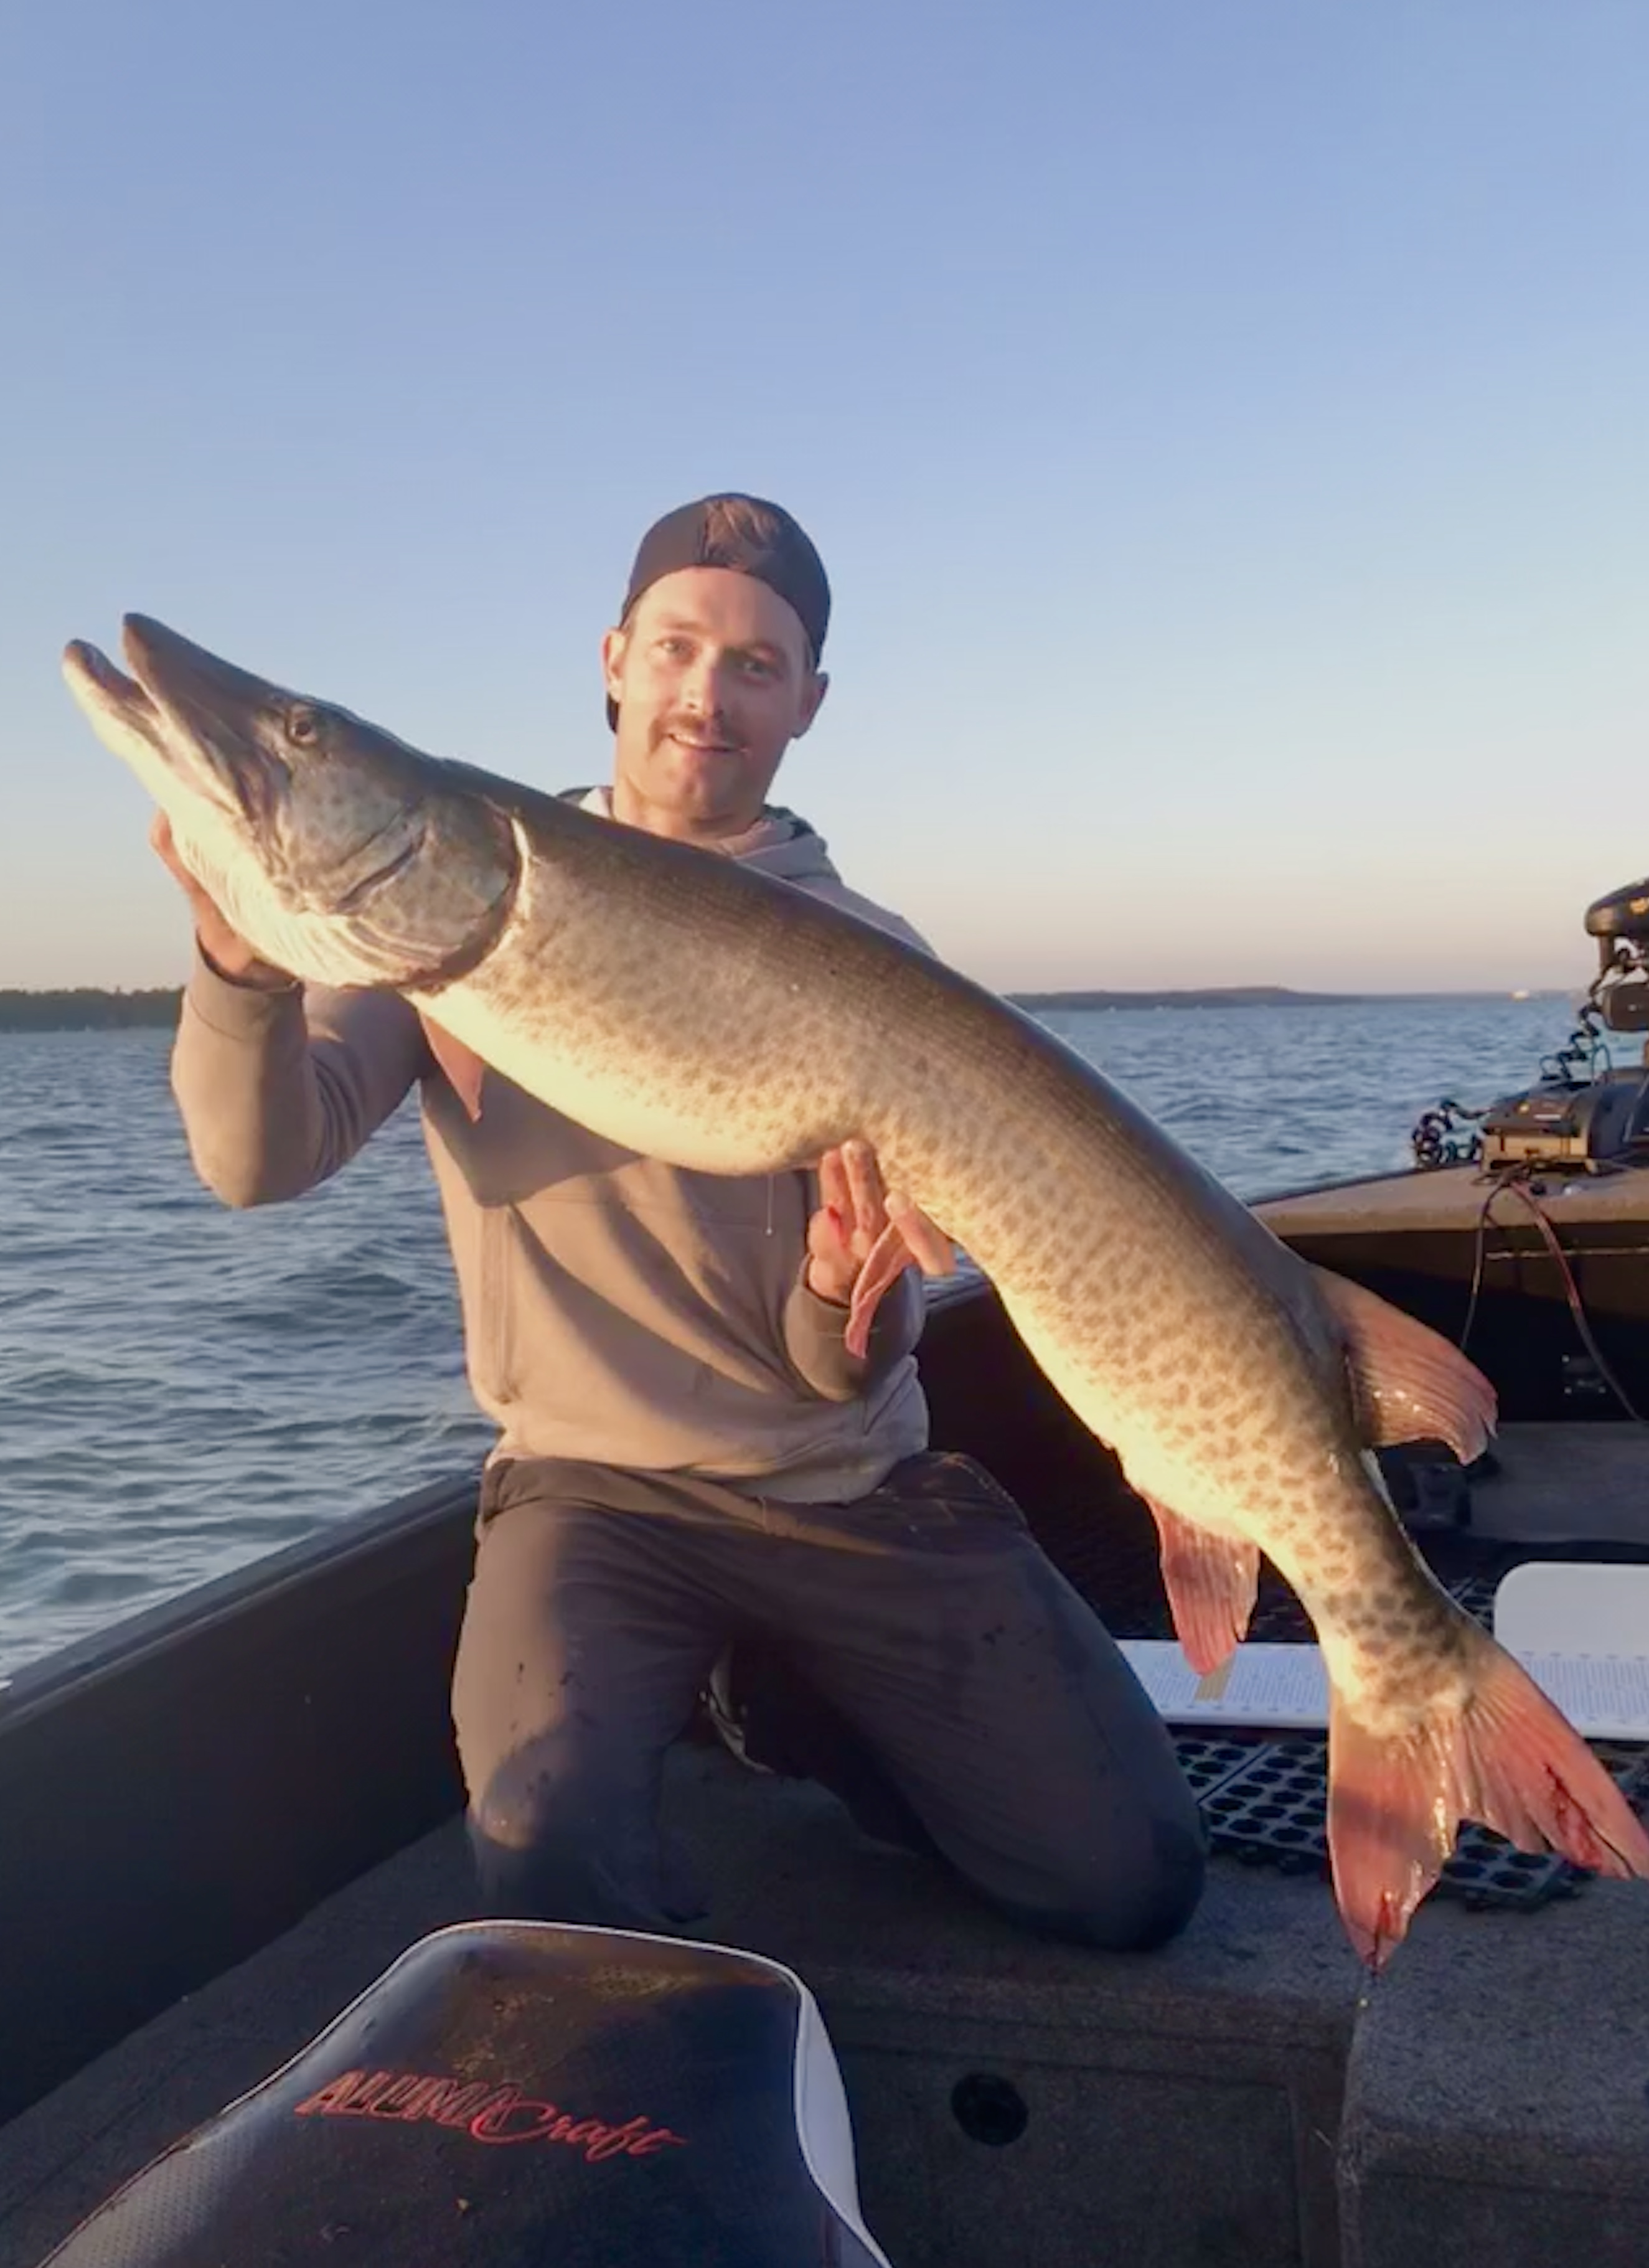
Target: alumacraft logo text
column 488, row 2112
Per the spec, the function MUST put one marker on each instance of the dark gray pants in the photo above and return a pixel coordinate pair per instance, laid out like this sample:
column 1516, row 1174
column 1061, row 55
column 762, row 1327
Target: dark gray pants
column 924, row 1617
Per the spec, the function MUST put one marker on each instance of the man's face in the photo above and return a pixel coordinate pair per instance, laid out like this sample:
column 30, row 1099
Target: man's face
column 712, row 681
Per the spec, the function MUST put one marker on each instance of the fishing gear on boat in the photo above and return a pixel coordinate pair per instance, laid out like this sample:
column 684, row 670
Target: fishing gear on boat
column 1447, row 1135
column 1583, row 1114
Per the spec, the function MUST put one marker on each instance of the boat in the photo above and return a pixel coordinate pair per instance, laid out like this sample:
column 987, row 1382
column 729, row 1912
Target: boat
column 228, row 1815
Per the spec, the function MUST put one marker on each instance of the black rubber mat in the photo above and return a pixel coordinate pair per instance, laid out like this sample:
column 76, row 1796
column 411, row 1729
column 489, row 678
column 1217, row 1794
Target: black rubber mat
column 1265, row 1801
column 1268, row 1807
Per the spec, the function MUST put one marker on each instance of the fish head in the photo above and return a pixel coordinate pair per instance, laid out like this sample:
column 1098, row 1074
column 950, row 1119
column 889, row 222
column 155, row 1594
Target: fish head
column 336, row 851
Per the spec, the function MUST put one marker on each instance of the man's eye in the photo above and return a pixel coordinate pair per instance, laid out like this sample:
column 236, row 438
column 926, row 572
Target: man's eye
column 673, row 649
column 754, row 665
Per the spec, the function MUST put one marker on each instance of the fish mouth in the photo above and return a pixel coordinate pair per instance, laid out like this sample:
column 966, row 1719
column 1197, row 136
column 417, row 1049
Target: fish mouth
column 90, row 671
column 212, row 698
column 219, row 709
column 181, row 706
column 190, row 721
column 168, row 673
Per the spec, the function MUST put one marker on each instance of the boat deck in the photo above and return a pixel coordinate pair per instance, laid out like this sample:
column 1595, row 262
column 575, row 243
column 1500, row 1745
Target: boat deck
column 1222, row 2056
column 1237, row 2099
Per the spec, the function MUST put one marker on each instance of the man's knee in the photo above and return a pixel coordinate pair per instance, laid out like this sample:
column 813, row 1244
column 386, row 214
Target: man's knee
column 565, row 1830
column 1128, row 1900
column 545, row 1841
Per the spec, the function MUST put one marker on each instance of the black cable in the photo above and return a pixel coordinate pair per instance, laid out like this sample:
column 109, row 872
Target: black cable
column 1516, row 1180
column 1577, row 1306
column 1480, row 1252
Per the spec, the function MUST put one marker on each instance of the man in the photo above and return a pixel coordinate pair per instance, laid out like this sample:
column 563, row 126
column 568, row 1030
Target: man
column 688, row 1456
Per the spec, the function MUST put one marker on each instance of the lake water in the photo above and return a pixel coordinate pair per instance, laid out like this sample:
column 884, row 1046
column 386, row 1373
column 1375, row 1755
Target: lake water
column 183, row 1388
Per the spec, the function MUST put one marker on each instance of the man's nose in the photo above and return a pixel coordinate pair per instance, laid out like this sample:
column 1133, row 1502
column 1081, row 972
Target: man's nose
column 702, row 684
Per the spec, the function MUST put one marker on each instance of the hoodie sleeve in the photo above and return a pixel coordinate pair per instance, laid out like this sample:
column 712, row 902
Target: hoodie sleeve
column 279, row 1090
column 815, row 1332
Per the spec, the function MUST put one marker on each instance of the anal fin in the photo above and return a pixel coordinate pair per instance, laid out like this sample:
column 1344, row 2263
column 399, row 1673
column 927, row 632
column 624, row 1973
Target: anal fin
column 1211, row 1582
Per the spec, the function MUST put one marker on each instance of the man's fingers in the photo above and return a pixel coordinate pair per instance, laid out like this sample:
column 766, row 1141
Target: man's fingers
column 164, row 849
column 927, row 1240
column 221, row 942
column 865, row 1181
column 833, row 1192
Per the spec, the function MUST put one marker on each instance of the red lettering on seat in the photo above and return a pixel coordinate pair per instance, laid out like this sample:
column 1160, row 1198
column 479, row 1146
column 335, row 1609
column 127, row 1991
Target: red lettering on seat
column 493, row 2112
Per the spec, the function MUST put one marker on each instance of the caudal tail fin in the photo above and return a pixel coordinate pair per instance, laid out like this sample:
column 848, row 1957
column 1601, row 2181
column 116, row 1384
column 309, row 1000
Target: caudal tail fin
column 1508, row 1759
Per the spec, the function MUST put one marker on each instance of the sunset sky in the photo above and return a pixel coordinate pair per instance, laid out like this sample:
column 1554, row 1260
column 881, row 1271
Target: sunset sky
column 1224, row 427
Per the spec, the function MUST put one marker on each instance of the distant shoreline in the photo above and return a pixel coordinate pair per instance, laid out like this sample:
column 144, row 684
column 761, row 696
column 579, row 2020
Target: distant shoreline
column 1266, row 996
column 87, row 1008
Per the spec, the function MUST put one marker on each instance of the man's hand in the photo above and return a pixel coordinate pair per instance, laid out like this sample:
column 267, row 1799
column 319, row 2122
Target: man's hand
column 857, row 1217
column 852, row 1214
column 224, row 947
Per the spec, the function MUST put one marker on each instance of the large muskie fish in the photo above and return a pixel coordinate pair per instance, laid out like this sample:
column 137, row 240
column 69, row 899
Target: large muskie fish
column 698, row 1012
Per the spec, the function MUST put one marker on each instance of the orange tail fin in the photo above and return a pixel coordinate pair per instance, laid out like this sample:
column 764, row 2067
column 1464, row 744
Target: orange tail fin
column 1509, row 1759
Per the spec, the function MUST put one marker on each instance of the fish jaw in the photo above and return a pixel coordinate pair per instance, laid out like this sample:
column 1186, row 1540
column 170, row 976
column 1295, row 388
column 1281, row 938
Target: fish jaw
column 209, row 822
column 182, row 779
column 340, row 853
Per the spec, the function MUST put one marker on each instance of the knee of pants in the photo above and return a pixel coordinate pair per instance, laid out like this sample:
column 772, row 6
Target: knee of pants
column 1127, row 1902
column 548, row 1837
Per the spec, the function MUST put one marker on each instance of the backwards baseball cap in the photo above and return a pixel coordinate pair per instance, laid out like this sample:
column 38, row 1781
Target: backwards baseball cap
column 751, row 537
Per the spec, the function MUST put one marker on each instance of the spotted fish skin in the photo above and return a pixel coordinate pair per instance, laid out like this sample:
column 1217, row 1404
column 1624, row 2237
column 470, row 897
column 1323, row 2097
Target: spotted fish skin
column 741, row 1028
column 699, row 1012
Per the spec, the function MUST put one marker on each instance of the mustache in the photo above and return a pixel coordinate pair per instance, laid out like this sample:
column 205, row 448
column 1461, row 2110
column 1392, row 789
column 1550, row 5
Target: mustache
column 712, row 730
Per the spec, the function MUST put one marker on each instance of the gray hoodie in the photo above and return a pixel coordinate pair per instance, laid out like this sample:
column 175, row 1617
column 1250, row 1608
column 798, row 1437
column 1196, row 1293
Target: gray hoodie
column 616, row 1310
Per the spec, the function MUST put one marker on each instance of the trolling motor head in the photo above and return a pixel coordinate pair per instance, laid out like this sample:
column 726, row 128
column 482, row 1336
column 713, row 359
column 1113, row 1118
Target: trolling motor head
column 1620, row 923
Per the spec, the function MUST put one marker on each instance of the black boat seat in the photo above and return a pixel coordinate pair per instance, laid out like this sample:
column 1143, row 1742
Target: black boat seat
column 515, row 2094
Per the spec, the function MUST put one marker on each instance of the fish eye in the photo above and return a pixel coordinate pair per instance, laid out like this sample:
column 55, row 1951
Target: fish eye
column 303, row 726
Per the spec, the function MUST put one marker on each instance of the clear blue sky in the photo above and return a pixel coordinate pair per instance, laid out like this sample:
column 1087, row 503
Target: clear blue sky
column 1225, row 426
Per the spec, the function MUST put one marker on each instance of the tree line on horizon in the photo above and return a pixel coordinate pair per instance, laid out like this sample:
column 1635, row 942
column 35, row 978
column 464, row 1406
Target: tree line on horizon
column 87, row 1008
